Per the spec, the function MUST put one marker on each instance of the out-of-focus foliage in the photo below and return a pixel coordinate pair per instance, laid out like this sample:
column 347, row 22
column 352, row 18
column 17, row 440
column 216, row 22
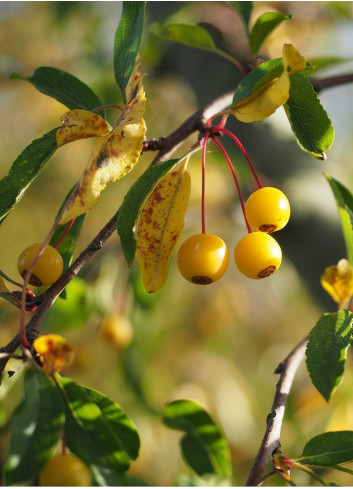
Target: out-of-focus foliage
column 216, row 345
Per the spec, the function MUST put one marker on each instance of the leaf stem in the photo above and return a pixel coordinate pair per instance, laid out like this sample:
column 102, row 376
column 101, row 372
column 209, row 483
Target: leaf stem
column 312, row 474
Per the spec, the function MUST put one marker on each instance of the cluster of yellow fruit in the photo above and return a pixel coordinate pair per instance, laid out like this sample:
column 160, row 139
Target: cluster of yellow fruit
column 203, row 258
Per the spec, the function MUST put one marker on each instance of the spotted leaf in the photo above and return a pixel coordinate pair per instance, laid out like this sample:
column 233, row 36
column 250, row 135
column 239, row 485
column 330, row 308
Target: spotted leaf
column 114, row 155
column 160, row 224
column 80, row 124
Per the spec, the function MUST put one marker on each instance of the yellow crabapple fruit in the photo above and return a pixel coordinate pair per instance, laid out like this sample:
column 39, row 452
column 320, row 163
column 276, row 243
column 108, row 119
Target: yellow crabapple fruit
column 47, row 269
column 203, row 258
column 267, row 210
column 257, row 255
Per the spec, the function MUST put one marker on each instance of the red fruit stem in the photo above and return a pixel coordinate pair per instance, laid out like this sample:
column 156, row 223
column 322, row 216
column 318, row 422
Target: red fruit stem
column 231, row 167
column 67, row 229
column 203, row 182
column 242, row 149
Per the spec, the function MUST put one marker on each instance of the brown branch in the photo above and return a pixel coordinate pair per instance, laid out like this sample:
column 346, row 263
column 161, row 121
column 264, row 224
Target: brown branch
column 332, row 81
column 271, row 441
column 166, row 147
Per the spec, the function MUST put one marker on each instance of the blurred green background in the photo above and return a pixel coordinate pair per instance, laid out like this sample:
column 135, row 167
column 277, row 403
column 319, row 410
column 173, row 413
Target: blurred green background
column 219, row 344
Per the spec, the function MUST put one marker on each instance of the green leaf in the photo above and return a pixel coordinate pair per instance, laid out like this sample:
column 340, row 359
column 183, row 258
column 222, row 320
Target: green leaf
column 344, row 201
column 68, row 244
column 35, row 428
column 204, row 447
column 120, row 423
column 318, row 64
column 327, row 351
column 263, row 27
column 308, row 119
column 24, row 170
column 258, row 77
column 99, row 432
column 133, row 202
column 127, row 42
column 192, row 35
column 62, row 86
column 244, row 9
column 327, row 449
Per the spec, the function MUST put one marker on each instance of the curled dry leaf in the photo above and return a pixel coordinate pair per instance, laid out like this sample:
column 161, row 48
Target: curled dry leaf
column 114, row 155
column 80, row 124
column 160, row 224
column 266, row 100
column 55, row 352
column 337, row 280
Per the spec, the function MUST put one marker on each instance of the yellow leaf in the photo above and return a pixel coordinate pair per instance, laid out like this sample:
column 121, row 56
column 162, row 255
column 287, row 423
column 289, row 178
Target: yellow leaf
column 80, row 124
column 160, row 224
column 54, row 351
column 266, row 100
column 337, row 280
column 114, row 155
column 3, row 287
column 135, row 106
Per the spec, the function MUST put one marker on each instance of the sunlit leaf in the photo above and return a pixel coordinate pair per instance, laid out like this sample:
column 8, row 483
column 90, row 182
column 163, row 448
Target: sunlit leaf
column 204, row 447
column 328, row 449
column 113, row 157
column 62, row 86
column 266, row 95
column 80, row 124
column 124, row 428
column 127, row 42
column 337, row 280
column 258, row 78
column 55, row 352
column 263, row 27
column 99, row 432
column 24, row 170
column 308, row 119
column 35, row 429
column 327, row 351
column 160, row 224
column 133, row 202
column 344, row 201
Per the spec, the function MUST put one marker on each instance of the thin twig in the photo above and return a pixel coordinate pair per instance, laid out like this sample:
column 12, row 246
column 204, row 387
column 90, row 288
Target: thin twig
column 271, row 441
column 195, row 123
column 331, row 81
column 166, row 147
